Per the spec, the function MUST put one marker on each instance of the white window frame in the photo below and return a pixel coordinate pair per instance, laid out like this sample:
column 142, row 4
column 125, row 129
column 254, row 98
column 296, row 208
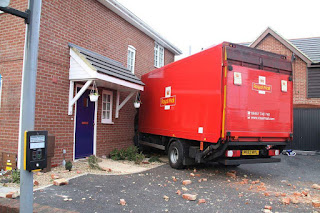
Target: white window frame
column 158, row 55
column 1, row 82
column 131, row 61
column 107, row 120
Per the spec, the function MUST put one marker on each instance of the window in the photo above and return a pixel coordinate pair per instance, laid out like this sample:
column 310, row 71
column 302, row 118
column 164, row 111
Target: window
column 107, row 97
column 131, row 58
column 0, row 88
column 158, row 55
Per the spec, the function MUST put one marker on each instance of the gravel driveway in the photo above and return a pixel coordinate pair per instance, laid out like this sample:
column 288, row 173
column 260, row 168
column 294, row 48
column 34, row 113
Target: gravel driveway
column 144, row 192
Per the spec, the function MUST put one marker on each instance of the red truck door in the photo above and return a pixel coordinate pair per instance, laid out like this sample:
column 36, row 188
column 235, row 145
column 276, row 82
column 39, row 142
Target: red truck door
column 258, row 104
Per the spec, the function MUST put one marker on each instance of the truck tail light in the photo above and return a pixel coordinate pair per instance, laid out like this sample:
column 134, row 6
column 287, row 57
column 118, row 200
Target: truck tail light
column 233, row 153
column 274, row 152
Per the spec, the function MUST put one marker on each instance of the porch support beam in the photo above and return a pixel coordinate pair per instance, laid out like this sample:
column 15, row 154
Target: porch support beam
column 78, row 95
column 119, row 106
column 71, row 92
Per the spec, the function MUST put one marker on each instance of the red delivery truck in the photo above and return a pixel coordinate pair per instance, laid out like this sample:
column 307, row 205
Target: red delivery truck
column 229, row 104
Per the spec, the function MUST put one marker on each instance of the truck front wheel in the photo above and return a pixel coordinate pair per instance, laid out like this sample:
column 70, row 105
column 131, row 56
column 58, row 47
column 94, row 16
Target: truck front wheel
column 176, row 154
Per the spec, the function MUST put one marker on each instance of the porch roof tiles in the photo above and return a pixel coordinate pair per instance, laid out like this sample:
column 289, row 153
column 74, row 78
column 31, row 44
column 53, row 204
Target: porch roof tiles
column 106, row 65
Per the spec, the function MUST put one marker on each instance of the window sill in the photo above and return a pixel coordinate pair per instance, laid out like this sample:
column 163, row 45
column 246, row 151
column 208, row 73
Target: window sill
column 107, row 122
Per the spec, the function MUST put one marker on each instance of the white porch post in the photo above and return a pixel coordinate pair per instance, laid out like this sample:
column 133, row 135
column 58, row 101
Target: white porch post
column 117, row 104
column 71, row 92
column 118, row 107
column 78, row 95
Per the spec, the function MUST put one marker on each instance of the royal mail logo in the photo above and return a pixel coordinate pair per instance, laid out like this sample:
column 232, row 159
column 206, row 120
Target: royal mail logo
column 262, row 87
column 168, row 101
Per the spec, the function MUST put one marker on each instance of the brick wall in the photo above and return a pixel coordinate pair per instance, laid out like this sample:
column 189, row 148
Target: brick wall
column 269, row 43
column 91, row 25
column 12, row 37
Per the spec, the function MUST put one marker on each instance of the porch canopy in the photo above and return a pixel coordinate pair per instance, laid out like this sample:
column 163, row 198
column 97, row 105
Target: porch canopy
column 87, row 66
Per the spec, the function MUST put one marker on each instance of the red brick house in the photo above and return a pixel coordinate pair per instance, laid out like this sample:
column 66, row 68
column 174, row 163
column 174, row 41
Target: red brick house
column 305, row 56
column 82, row 42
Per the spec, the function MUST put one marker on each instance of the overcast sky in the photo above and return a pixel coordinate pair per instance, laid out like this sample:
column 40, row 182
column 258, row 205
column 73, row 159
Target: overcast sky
column 204, row 23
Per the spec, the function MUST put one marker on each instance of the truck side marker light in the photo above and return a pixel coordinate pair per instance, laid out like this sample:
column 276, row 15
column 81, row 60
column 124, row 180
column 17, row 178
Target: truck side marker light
column 201, row 146
column 284, row 86
column 237, row 80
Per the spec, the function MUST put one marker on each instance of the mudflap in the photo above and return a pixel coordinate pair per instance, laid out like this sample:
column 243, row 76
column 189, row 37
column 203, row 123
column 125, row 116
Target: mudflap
column 188, row 161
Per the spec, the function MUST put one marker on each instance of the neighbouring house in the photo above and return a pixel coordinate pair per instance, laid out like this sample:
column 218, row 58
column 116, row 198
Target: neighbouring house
column 305, row 56
column 83, row 43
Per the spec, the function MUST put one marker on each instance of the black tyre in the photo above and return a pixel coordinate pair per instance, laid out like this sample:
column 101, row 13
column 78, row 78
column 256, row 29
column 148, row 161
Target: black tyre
column 176, row 154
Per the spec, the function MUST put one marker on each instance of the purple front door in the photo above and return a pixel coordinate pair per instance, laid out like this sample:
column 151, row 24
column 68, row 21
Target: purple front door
column 84, row 126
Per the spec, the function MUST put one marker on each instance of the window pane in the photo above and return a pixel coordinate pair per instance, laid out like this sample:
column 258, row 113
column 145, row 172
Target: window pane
column 104, row 97
column 156, row 55
column 106, row 114
column 130, row 58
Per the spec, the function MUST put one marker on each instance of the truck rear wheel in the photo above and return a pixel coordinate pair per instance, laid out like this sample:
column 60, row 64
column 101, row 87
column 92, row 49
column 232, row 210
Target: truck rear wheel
column 176, row 154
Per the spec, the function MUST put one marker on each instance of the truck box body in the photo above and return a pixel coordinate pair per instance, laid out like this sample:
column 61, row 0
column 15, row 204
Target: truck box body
column 226, row 93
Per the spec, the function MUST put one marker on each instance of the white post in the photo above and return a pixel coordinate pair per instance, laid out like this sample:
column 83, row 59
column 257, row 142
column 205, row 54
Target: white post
column 71, row 92
column 117, row 104
column 81, row 91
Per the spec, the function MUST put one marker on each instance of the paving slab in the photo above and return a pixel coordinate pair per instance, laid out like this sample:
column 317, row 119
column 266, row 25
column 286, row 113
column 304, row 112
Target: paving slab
column 5, row 190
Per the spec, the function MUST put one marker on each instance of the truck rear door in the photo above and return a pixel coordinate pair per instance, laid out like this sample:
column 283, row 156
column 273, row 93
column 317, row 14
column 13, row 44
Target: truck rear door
column 258, row 101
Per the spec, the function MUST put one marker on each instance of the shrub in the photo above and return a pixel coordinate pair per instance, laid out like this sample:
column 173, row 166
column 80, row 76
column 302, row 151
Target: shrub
column 154, row 159
column 131, row 153
column 139, row 158
column 68, row 166
column 118, row 154
column 16, row 176
column 93, row 162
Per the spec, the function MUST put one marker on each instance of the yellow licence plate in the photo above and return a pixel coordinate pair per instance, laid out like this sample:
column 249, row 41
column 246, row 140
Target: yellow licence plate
column 250, row 152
